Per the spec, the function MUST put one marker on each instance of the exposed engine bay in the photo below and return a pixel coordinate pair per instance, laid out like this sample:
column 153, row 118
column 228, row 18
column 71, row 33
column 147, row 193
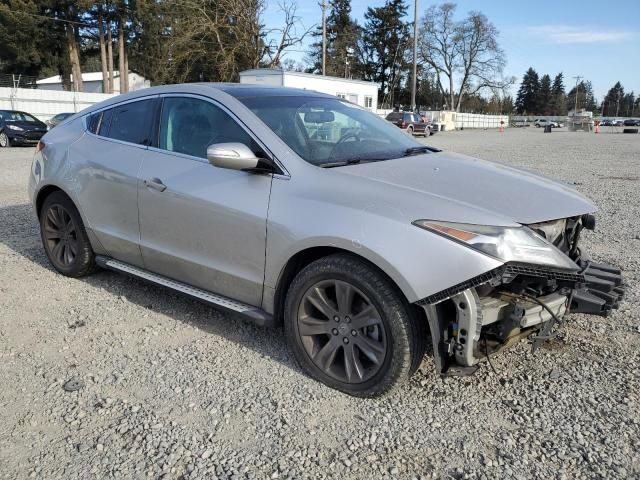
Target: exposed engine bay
column 471, row 321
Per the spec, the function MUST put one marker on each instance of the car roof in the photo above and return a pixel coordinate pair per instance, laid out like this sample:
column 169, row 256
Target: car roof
column 245, row 90
column 236, row 90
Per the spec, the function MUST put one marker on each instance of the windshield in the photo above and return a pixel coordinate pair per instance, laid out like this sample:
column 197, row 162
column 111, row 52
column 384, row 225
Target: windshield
column 327, row 131
column 10, row 116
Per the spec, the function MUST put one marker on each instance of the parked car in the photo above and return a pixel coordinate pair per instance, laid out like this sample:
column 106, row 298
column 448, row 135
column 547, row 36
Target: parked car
column 618, row 123
column 632, row 122
column 543, row 122
column 58, row 118
column 413, row 123
column 358, row 241
column 20, row 128
column 606, row 123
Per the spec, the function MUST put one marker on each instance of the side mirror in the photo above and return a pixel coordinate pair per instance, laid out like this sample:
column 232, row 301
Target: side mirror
column 233, row 155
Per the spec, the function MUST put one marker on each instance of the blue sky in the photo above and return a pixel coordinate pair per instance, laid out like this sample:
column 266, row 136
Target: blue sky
column 599, row 40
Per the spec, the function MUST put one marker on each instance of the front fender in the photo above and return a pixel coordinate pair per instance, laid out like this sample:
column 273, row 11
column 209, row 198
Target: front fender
column 421, row 263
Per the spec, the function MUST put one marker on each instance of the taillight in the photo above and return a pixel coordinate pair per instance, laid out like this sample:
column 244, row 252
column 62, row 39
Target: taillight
column 40, row 146
column 403, row 124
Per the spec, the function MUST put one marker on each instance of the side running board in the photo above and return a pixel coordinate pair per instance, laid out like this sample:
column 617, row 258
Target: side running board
column 254, row 314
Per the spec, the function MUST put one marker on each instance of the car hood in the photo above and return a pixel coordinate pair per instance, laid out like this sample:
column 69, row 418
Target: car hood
column 458, row 188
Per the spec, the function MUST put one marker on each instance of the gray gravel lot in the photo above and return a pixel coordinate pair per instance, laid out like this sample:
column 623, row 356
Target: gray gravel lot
column 174, row 389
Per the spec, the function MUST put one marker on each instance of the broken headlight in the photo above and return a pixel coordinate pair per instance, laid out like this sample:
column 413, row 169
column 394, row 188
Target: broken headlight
column 509, row 244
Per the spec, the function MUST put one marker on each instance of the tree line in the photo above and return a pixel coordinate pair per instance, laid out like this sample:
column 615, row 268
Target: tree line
column 164, row 40
column 541, row 96
column 460, row 61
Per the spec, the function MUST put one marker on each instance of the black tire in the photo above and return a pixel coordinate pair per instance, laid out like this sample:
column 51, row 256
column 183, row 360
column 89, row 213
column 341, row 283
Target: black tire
column 5, row 141
column 64, row 237
column 410, row 130
column 404, row 335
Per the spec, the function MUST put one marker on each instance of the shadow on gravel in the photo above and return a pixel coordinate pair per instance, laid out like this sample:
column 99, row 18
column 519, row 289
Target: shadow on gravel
column 20, row 232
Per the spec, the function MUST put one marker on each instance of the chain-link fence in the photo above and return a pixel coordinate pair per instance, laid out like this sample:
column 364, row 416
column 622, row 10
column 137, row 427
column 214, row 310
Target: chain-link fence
column 13, row 80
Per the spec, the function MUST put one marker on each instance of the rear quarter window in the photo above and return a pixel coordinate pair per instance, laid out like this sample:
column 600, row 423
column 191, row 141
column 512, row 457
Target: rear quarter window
column 131, row 122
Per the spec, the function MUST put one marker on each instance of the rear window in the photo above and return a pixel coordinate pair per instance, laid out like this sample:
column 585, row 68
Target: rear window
column 394, row 116
column 130, row 122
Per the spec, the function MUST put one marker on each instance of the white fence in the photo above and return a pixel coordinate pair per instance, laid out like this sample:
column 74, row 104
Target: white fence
column 44, row 104
column 456, row 120
column 478, row 120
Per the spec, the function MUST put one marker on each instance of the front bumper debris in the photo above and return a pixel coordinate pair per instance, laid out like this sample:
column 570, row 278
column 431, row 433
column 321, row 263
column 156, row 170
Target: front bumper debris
column 603, row 289
column 467, row 328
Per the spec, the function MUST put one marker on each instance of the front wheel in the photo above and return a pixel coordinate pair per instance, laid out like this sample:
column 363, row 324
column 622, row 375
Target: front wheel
column 350, row 328
column 4, row 140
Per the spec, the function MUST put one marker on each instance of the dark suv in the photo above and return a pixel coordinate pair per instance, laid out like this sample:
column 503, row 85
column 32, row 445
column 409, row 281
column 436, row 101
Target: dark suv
column 411, row 122
column 20, row 128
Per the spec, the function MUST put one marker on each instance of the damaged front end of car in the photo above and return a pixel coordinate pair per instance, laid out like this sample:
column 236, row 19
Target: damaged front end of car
column 545, row 275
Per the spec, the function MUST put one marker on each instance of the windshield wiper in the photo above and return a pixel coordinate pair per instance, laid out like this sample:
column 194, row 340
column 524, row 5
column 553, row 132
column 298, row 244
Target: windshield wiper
column 351, row 161
column 416, row 150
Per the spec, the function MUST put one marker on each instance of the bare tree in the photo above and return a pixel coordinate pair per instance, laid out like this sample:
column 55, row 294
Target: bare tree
column 216, row 40
column 287, row 36
column 465, row 55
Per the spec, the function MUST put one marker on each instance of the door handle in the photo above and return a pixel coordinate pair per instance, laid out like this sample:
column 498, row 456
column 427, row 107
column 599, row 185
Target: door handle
column 155, row 183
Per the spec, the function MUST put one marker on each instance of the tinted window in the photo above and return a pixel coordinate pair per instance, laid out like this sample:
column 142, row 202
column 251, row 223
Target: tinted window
column 394, row 116
column 132, row 122
column 189, row 126
column 93, row 122
column 105, row 123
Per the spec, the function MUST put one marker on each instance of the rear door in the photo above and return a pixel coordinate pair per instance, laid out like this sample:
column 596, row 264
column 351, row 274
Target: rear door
column 109, row 158
column 203, row 225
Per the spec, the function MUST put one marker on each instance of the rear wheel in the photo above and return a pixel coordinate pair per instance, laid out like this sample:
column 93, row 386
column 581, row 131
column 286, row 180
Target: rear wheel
column 410, row 130
column 4, row 140
column 350, row 328
column 64, row 237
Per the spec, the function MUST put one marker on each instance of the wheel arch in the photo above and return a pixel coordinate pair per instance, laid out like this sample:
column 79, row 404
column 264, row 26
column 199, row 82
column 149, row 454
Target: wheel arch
column 44, row 192
column 305, row 257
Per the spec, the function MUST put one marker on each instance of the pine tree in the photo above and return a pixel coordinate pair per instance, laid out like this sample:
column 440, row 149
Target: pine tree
column 342, row 41
column 613, row 101
column 544, row 96
column 527, row 98
column 384, row 48
column 585, row 98
column 558, row 93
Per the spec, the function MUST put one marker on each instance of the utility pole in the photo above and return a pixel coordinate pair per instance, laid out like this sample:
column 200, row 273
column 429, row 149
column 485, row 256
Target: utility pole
column 414, row 79
column 323, row 5
column 575, row 108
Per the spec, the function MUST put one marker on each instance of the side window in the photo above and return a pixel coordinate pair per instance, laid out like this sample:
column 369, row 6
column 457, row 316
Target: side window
column 105, row 123
column 189, row 126
column 132, row 122
column 93, row 122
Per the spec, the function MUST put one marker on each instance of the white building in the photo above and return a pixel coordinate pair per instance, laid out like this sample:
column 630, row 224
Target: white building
column 92, row 82
column 360, row 92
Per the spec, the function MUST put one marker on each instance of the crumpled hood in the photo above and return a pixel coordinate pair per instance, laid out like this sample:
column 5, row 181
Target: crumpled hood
column 459, row 188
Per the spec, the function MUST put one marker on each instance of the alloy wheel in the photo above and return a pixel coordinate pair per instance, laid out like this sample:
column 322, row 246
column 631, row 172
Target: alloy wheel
column 4, row 140
column 342, row 331
column 61, row 235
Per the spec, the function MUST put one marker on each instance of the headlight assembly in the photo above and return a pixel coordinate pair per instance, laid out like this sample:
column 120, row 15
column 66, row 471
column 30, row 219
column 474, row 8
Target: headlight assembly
column 15, row 127
column 509, row 244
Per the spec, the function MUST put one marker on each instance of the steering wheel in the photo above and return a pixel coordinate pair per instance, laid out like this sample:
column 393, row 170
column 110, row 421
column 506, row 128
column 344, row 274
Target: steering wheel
column 342, row 139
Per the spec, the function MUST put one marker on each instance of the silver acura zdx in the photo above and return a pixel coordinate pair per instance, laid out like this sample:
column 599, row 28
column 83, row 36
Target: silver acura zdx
column 297, row 208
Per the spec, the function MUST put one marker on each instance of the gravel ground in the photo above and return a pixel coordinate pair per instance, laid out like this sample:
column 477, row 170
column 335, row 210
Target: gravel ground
column 174, row 389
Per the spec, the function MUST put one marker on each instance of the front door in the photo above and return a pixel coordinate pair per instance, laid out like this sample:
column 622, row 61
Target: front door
column 202, row 225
